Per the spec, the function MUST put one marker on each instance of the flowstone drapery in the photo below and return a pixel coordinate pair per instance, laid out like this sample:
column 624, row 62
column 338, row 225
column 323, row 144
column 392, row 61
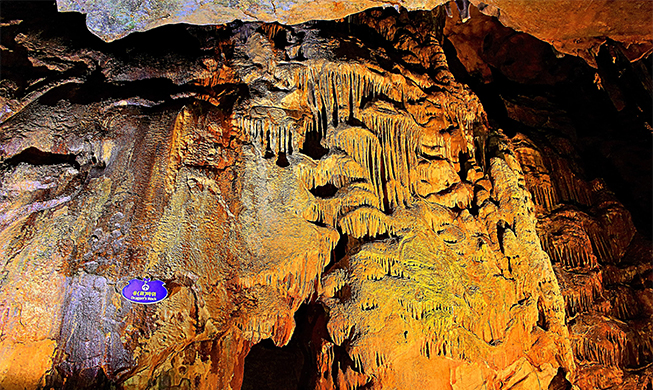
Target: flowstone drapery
column 257, row 169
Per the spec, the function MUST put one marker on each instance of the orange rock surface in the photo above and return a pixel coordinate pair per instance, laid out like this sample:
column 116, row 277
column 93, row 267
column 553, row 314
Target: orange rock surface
column 573, row 27
column 255, row 168
column 579, row 27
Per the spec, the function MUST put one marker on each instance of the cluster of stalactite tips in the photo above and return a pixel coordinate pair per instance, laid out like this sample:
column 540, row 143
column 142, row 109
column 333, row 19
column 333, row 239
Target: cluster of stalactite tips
column 325, row 193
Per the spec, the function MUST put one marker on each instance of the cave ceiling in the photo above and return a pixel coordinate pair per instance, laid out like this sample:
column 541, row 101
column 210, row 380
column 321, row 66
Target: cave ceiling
column 335, row 195
column 570, row 26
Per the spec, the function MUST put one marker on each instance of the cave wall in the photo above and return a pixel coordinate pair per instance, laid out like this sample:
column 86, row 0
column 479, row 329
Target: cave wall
column 444, row 236
column 583, row 138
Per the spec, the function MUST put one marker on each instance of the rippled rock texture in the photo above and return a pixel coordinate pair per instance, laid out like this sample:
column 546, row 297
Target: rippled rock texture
column 573, row 27
column 579, row 135
column 328, row 207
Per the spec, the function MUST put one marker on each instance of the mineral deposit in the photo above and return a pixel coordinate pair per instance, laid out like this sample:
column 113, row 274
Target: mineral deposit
column 257, row 168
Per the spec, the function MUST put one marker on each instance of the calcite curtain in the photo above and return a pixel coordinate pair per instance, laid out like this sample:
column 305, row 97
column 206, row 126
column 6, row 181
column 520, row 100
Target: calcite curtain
column 257, row 169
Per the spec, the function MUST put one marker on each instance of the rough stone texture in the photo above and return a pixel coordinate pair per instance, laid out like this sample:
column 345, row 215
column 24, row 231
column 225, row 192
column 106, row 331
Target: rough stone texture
column 602, row 263
column 255, row 167
column 579, row 27
column 573, row 27
column 112, row 20
column 483, row 43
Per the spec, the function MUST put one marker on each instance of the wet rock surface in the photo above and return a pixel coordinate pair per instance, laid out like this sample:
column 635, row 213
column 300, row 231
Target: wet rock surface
column 328, row 205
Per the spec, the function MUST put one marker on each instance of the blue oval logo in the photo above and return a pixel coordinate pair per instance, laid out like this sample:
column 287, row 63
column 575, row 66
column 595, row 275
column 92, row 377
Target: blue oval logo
column 145, row 291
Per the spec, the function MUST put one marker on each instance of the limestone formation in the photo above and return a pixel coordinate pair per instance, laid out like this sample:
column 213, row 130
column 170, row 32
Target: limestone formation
column 258, row 169
column 573, row 27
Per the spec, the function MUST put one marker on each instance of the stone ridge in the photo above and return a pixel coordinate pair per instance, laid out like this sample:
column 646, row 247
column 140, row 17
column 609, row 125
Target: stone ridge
column 112, row 20
column 572, row 27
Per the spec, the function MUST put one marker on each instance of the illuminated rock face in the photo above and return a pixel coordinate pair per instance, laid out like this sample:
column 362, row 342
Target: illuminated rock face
column 113, row 20
column 337, row 164
column 601, row 261
column 573, row 27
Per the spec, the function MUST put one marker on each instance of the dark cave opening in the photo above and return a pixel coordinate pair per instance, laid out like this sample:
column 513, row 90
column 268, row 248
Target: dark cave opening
column 326, row 191
column 268, row 367
column 294, row 366
column 34, row 156
column 312, row 145
column 291, row 367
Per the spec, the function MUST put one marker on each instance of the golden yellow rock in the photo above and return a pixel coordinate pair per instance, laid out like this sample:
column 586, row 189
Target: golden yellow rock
column 265, row 171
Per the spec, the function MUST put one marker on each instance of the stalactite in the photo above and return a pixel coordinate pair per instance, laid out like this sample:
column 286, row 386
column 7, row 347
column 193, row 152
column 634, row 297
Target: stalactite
column 624, row 305
column 581, row 291
column 604, row 344
column 602, row 246
column 544, row 193
column 336, row 169
column 363, row 146
column 364, row 222
column 398, row 134
column 569, row 186
column 333, row 90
